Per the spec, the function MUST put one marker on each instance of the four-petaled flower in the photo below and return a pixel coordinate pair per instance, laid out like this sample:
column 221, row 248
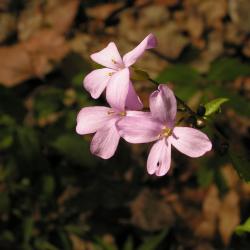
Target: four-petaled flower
column 102, row 121
column 160, row 127
column 116, row 76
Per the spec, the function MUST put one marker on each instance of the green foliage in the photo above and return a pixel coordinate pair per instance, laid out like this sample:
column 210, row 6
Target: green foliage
column 214, row 106
column 241, row 162
column 154, row 241
column 243, row 228
column 74, row 148
column 227, row 69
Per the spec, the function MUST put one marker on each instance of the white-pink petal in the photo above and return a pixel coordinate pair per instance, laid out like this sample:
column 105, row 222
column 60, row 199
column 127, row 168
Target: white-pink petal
column 131, row 57
column 96, row 81
column 159, row 158
column 108, row 57
column 190, row 141
column 90, row 119
column 139, row 129
column 133, row 101
column 105, row 140
column 117, row 89
column 163, row 105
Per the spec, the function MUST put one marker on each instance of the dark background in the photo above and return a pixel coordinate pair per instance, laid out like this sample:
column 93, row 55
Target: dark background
column 54, row 194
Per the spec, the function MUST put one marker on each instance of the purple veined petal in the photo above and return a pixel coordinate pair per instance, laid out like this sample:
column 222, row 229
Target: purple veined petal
column 139, row 129
column 133, row 101
column 163, row 105
column 190, row 141
column 117, row 89
column 159, row 158
column 105, row 140
column 108, row 57
column 131, row 57
column 90, row 119
column 96, row 81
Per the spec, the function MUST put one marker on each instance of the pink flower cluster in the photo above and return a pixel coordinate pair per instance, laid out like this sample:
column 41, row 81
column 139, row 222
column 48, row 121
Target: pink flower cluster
column 122, row 118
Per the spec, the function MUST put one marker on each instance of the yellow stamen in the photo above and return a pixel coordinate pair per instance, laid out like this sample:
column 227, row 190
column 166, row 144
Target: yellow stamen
column 114, row 62
column 166, row 132
column 123, row 113
column 110, row 73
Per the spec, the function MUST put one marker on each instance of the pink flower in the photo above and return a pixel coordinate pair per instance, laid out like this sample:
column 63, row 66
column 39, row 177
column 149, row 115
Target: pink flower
column 116, row 76
column 160, row 127
column 102, row 121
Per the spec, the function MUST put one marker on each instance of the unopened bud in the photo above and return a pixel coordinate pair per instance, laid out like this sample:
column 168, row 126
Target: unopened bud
column 201, row 110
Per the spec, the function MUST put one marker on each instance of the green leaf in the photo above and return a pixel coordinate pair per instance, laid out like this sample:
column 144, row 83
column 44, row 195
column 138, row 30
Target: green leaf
column 214, row 105
column 205, row 175
column 29, row 146
column 48, row 186
column 179, row 74
column 227, row 69
column 42, row 244
column 75, row 149
column 153, row 242
column 27, row 229
column 49, row 100
column 238, row 103
column 128, row 244
column 243, row 228
column 185, row 79
column 241, row 163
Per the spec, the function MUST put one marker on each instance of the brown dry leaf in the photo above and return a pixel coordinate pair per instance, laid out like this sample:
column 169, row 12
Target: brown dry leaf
column 150, row 213
column 30, row 20
column 171, row 41
column 239, row 12
column 7, row 25
column 103, row 11
column 229, row 216
column 32, row 58
column 60, row 14
column 55, row 14
column 210, row 208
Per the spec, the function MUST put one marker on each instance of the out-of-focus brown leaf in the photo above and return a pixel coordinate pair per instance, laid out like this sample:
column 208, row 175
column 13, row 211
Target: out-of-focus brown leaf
column 32, row 58
column 30, row 20
column 229, row 215
column 171, row 41
column 60, row 14
column 210, row 209
column 57, row 15
column 151, row 213
column 7, row 25
column 103, row 11
column 239, row 12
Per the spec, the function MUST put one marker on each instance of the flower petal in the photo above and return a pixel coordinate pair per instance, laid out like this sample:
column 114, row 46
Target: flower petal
column 96, row 81
column 90, row 119
column 163, row 105
column 117, row 89
column 105, row 141
column 190, row 141
column 131, row 57
column 108, row 57
column 159, row 158
column 139, row 129
column 133, row 101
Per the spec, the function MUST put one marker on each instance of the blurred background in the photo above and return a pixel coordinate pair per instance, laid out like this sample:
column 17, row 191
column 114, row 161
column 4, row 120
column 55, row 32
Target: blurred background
column 54, row 194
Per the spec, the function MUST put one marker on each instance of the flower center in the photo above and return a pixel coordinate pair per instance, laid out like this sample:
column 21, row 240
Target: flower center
column 166, row 132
